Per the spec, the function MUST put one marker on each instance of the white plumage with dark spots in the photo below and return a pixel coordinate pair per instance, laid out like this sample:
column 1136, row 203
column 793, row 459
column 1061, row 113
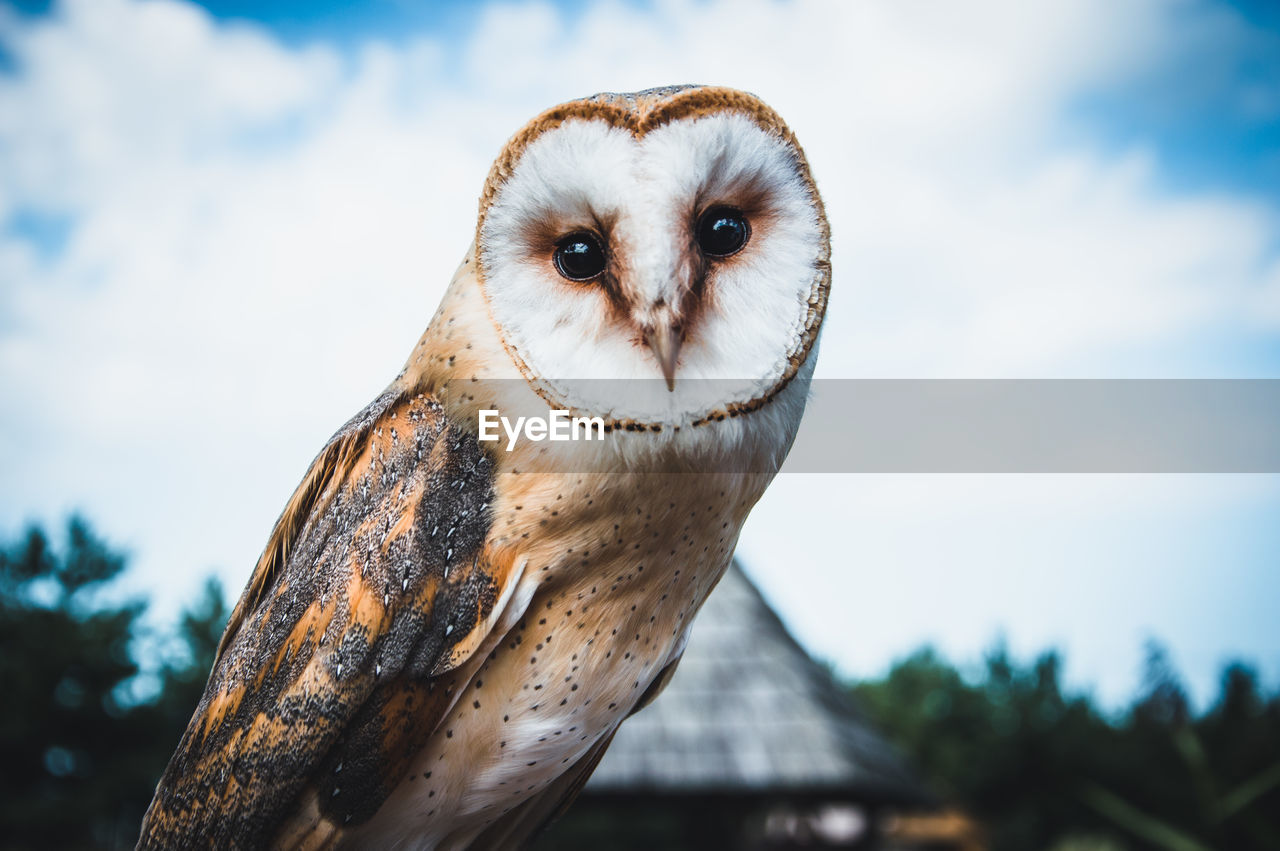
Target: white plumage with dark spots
column 443, row 633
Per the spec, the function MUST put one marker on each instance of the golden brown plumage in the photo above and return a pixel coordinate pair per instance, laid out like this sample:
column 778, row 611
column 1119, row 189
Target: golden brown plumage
column 376, row 582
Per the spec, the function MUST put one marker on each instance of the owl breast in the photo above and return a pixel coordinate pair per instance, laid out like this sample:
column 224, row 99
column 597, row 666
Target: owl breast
column 614, row 580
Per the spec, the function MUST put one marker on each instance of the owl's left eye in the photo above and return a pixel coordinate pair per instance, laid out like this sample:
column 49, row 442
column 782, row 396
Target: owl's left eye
column 579, row 256
column 722, row 231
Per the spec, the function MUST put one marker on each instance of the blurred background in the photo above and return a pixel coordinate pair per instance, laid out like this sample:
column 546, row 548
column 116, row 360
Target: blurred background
column 224, row 224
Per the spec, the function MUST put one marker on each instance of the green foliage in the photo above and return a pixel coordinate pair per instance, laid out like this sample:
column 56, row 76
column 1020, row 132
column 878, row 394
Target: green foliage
column 80, row 755
column 1041, row 768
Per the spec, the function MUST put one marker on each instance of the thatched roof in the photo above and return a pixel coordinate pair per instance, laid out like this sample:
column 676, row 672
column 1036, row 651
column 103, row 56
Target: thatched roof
column 750, row 712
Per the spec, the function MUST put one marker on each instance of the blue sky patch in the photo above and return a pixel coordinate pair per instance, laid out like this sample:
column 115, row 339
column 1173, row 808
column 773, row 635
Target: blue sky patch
column 46, row 231
column 1211, row 113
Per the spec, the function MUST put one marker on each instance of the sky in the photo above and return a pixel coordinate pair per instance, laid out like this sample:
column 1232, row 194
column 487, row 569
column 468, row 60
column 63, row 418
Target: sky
column 223, row 227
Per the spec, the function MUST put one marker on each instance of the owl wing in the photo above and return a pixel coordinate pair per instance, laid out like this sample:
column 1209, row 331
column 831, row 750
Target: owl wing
column 375, row 583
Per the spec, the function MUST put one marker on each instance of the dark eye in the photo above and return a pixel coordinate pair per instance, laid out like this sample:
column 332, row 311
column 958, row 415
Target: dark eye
column 722, row 231
column 579, row 256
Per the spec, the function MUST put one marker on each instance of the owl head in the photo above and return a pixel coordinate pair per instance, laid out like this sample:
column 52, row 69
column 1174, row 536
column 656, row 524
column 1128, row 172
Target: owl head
column 658, row 257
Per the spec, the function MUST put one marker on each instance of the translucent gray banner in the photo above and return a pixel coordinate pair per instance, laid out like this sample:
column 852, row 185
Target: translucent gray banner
column 1040, row 426
column 942, row 426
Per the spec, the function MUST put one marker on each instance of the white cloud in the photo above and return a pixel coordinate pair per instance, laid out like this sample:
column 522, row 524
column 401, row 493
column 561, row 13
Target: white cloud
column 261, row 232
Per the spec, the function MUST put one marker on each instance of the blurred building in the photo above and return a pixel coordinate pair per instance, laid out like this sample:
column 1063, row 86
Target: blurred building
column 752, row 745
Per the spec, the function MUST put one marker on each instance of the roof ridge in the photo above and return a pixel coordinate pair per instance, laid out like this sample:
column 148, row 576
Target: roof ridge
column 734, row 719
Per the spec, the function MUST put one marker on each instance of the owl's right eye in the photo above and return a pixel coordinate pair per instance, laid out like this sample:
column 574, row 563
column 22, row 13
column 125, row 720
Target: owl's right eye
column 579, row 256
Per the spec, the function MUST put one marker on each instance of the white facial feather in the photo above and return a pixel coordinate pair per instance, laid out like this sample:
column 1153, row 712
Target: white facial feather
column 643, row 195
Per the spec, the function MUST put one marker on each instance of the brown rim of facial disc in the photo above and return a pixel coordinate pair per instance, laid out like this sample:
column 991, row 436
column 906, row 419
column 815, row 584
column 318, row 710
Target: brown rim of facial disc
column 638, row 113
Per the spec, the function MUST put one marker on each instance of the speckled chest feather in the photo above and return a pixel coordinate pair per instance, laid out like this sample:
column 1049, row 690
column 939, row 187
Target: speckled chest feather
column 611, row 595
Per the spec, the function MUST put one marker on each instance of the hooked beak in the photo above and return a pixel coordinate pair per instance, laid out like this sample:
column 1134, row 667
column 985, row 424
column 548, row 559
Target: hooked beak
column 665, row 343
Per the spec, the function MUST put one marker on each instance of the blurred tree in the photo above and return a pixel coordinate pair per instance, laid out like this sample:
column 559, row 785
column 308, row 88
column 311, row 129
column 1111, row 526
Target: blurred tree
column 1002, row 747
column 81, row 755
column 1195, row 783
column 1041, row 769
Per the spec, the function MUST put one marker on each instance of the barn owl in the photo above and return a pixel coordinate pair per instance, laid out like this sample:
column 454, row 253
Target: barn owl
column 444, row 633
